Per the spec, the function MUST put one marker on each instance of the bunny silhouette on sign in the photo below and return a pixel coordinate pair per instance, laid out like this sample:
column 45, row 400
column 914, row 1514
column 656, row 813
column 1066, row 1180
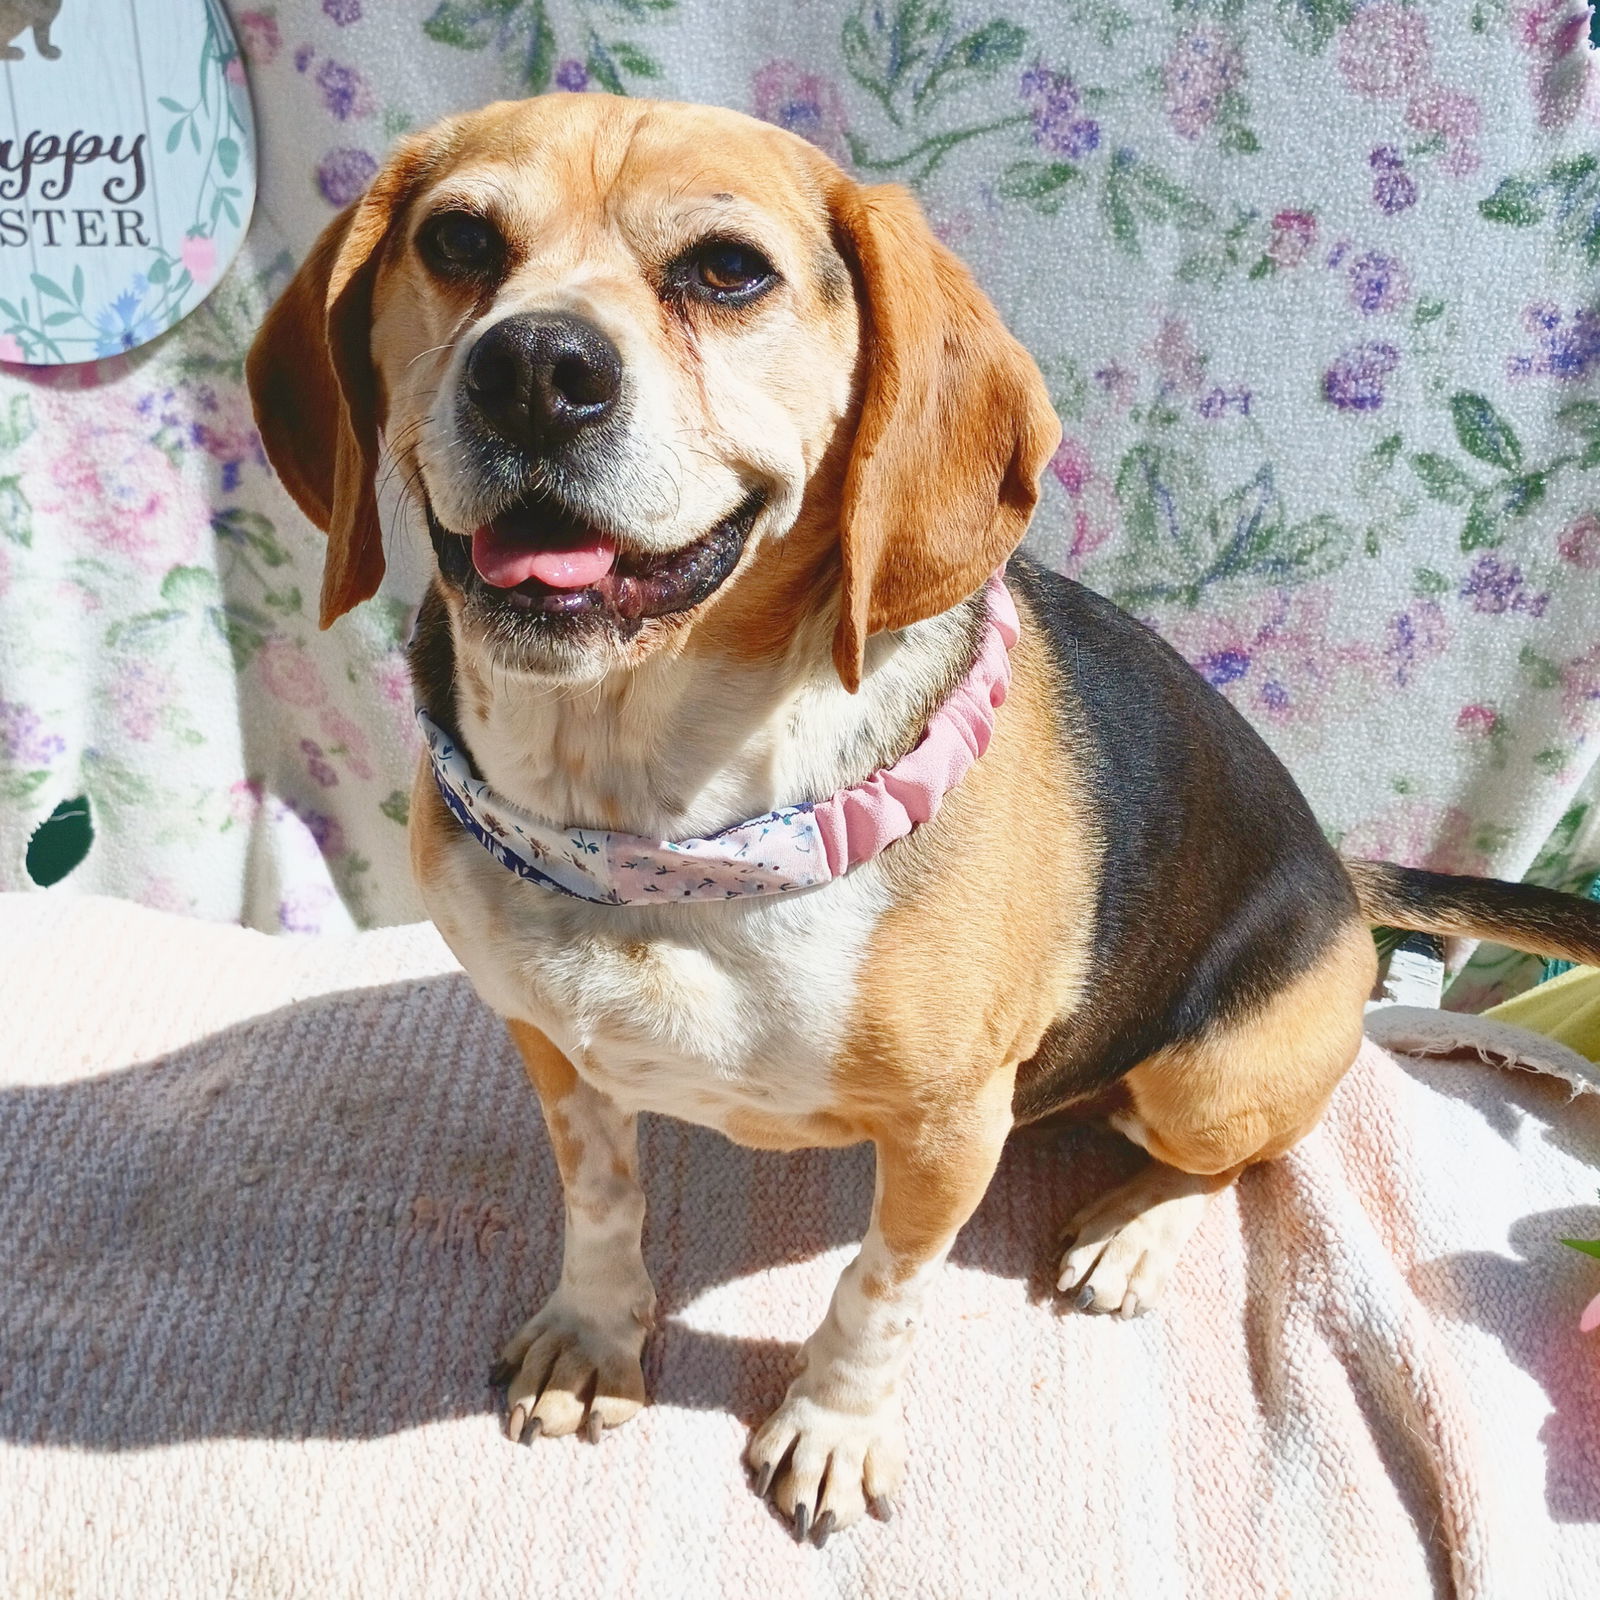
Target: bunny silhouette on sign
column 15, row 15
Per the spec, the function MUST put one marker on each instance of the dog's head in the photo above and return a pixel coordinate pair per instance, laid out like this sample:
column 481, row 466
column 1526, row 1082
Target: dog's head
column 636, row 360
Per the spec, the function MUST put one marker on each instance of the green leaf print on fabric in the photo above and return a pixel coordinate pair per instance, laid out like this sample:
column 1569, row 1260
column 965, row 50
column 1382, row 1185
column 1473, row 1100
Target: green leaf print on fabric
column 1182, row 538
column 1567, row 194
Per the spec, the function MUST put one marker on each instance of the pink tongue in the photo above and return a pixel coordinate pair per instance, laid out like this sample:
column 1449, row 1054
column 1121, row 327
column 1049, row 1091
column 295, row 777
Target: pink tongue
column 506, row 562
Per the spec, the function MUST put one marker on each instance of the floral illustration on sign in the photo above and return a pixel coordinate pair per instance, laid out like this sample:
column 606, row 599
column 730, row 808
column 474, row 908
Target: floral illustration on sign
column 61, row 325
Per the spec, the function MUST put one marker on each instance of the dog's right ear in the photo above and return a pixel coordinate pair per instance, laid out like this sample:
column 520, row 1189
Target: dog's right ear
column 314, row 389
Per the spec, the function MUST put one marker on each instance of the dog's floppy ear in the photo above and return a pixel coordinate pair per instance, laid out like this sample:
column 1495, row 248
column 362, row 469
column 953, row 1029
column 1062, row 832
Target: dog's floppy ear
column 316, row 394
column 955, row 427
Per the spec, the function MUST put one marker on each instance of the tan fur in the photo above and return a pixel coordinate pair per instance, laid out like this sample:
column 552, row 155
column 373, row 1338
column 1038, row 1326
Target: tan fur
column 1005, row 930
column 1249, row 1089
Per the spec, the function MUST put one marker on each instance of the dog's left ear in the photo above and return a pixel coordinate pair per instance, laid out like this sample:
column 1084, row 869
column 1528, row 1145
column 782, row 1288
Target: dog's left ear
column 314, row 389
column 955, row 427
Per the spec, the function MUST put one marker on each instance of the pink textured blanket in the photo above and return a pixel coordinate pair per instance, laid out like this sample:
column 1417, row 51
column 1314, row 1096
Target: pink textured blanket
column 270, row 1206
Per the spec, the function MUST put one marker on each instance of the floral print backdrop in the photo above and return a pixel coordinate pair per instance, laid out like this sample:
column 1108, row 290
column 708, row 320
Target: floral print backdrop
column 1314, row 284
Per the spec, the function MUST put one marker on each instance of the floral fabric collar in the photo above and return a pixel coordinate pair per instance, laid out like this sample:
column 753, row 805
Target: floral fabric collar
column 793, row 847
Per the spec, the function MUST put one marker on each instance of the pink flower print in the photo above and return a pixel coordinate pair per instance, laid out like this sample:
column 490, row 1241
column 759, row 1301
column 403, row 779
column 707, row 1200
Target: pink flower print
column 1293, row 235
column 1580, row 692
column 234, row 71
column 1092, row 510
column 290, row 674
column 346, row 735
column 1383, row 50
column 1590, row 1320
column 1419, row 833
column 199, row 255
column 1477, row 721
column 10, row 350
column 1579, row 542
column 806, row 103
column 1457, row 118
column 112, row 490
column 1202, row 70
column 244, row 800
column 259, row 37
column 1378, row 283
column 1277, row 659
column 1181, row 365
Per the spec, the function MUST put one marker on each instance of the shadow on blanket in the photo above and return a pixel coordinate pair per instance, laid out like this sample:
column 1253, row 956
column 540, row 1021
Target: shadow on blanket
column 325, row 1220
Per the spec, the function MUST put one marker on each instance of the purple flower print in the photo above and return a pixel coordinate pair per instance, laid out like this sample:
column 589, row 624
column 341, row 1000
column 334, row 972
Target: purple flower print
column 325, row 832
column 1495, row 587
column 1203, row 69
column 1569, row 346
column 343, row 175
column 1058, row 122
column 303, row 57
column 1414, row 638
column 23, row 741
column 302, row 911
column 1378, row 283
column 316, row 765
column 1223, row 666
column 1355, row 381
column 344, row 91
column 572, row 76
column 805, row 103
column 1216, row 404
column 342, row 12
column 1393, row 189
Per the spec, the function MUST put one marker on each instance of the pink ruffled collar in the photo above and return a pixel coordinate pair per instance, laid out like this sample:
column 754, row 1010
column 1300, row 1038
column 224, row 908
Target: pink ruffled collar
column 794, row 847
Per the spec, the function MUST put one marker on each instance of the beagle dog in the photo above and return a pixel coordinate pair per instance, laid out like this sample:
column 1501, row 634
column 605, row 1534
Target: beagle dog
column 766, row 787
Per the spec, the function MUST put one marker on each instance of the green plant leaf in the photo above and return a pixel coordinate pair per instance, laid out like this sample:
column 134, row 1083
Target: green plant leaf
column 633, row 60
column 16, row 513
column 1515, row 202
column 159, row 270
column 1590, row 1247
column 1037, row 183
column 1483, row 432
column 45, row 286
column 1482, row 528
column 1442, row 479
column 228, row 157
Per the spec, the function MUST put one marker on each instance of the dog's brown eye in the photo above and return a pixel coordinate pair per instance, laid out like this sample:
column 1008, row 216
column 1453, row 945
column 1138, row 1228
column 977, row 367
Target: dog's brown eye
column 727, row 272
column 457, row 242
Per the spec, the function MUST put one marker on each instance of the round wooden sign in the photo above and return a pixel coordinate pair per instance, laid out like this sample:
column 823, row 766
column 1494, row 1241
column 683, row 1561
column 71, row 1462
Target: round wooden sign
column 127, row 171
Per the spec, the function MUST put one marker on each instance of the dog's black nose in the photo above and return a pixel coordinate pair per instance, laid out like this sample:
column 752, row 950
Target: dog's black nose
column 537, row 380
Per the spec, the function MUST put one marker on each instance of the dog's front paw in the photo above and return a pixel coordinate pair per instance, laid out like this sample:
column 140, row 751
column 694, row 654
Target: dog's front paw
column 824, row 1467
column 570, row 1367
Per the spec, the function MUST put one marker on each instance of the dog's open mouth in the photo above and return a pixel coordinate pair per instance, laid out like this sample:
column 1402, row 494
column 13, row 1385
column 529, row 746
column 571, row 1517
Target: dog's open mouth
column 541, row 559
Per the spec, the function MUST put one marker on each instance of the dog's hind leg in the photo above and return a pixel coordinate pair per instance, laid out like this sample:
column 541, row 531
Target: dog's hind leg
column 1246, row 1089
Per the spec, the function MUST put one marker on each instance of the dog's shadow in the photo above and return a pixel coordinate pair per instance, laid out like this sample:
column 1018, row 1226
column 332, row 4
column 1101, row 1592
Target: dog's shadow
column 324, row 1221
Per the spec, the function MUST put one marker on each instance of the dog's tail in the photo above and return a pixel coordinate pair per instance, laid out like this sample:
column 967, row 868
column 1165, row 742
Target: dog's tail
column 1521, row 915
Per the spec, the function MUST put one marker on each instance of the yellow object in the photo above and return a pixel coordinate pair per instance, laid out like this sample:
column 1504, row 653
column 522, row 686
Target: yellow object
column 1566, row 1009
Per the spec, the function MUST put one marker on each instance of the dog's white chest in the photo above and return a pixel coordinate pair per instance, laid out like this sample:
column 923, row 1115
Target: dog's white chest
column 698, row 1011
